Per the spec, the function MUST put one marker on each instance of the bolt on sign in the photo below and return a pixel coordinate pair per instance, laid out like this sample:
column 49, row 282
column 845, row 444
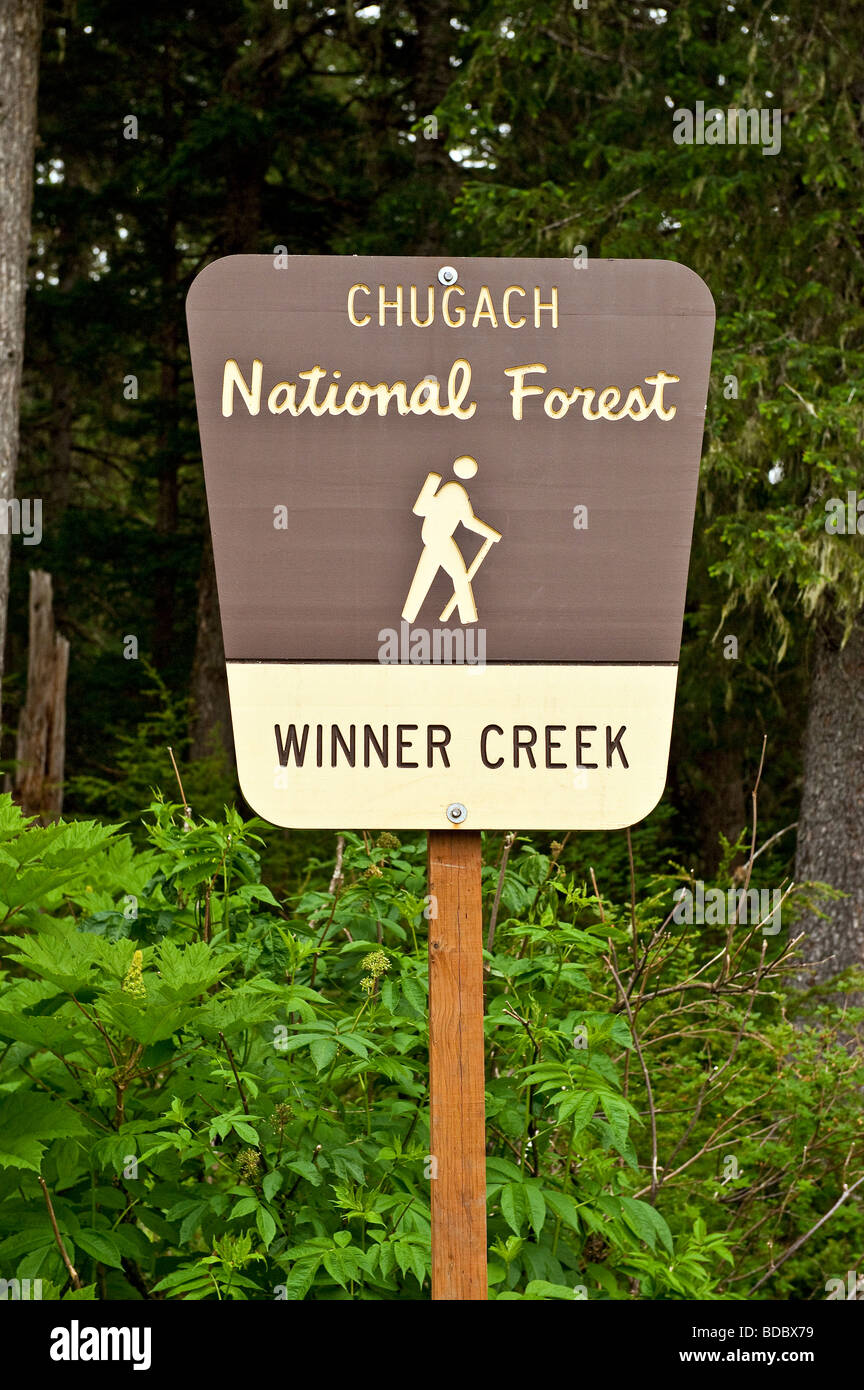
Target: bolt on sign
column 451, row 509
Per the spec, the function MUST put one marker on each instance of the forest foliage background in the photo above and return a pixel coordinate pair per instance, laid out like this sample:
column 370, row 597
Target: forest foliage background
column 460, row 129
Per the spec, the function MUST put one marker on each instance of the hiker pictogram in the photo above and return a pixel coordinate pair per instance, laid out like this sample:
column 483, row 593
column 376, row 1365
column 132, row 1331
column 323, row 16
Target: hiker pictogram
column 443, row 509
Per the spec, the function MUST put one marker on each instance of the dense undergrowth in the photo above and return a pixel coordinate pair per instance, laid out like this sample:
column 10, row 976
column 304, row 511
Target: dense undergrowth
column 216, row 1092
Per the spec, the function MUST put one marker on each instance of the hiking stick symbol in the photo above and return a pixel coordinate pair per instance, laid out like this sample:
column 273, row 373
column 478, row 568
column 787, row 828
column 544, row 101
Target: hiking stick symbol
column 443, row 509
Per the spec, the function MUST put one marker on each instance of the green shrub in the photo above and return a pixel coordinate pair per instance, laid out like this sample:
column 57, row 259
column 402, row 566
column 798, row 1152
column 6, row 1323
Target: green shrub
column 221, row 1095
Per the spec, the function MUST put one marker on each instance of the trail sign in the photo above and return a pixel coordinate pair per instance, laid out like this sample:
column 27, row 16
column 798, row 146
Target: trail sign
column 451, row 510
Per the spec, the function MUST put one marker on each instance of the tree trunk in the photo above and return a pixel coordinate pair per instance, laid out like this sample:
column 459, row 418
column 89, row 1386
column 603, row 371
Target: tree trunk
column 168, row 461
column 211, row 714
column 432, row 77
column 831, row 821
column 723, row 810
column 41, row 750
column 20, row 31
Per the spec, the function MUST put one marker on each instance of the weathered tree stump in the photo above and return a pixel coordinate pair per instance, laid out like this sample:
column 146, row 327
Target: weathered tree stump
column 41, row 744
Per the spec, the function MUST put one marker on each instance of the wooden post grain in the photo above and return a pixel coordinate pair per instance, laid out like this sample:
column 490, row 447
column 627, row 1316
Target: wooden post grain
column 456, row 1067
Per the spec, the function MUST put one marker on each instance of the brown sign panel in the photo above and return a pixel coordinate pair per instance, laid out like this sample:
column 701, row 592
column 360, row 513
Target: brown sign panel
column 426, row 481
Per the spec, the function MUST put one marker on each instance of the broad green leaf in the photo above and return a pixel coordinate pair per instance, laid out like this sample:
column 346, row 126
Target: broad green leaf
column 147, row 1022
column 305, row 1169
column 563, row 1206
column 542, row 1289
column 29, row 1120
column 244, row 1207
column 415, row 994
column 301, row 1278
column 335, row 1265
column 100, row 1246
column 535, row 1205
column 189, row 971
column 618, row 1114
column 270, row 1185
column 322, row 1051
column 578, row 1107
column 646, row 1222
column 266, row 1226
column 514, row 1206
column 49, row 1032
column 236, row 1012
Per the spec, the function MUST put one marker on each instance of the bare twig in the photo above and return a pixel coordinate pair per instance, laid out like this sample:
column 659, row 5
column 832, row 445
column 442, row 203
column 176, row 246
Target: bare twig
column 71, row 1270
column 632, row 897
column 509, row 840
column 638, row 1046
column 530, row 1128
column 96, row 1024
column 796, row 1245
column 337, row 869
column 526, row 1025
column 230, row 1055
column 720, row 1135
column 758, row 927
column 553, row 226
column 784, row 831
column 730, row 933
column 187, row 809
column 755, row 799
column 337, row 881
column 807, row 405
column 597, row 896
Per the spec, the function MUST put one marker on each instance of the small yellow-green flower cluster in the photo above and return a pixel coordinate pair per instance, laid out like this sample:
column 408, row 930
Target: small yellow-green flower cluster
column 281, row 1115
column 133, row 982
column 387, row 841
column 377, row 964
column 248, row 1164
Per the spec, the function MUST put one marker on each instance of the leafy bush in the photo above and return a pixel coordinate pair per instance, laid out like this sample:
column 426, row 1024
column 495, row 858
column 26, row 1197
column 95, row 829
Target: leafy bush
column 219, row 1095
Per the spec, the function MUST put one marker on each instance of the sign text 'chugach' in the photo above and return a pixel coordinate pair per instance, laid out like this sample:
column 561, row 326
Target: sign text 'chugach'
column 453, row 315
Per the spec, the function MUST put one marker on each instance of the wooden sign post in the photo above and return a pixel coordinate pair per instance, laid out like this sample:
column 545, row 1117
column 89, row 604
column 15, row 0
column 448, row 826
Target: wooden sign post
column 457, row 1113
column 451, row 509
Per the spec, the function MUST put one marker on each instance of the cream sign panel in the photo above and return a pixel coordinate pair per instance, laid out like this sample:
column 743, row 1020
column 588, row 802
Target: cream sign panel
column 451, row 508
